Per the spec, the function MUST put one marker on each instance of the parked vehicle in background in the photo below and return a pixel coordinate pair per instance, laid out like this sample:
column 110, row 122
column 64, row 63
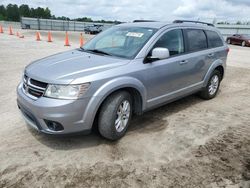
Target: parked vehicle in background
column 127, row 69
column 93, row 29
column 240, row 39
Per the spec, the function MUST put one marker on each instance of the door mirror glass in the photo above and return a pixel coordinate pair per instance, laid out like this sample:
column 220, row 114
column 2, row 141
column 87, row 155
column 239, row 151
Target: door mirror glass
column 160, row 53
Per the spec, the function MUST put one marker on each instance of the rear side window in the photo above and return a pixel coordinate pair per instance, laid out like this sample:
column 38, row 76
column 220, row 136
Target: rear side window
column 173, row 41
column 196, row 40
column 214, row 39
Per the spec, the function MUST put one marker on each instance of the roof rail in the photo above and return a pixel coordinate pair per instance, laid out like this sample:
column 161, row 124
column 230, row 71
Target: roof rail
column 189, row 21
column 144, row 21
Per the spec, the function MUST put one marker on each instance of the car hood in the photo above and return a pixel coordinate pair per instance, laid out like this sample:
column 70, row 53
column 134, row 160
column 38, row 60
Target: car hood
column 65, row 67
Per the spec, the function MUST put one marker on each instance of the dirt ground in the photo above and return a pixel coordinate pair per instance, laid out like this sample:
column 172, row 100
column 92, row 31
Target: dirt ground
column 188, row 143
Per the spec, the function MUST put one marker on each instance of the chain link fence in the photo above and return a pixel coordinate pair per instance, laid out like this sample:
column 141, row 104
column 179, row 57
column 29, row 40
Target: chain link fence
column 227, row 30
column 58, row 25
column 10, row 23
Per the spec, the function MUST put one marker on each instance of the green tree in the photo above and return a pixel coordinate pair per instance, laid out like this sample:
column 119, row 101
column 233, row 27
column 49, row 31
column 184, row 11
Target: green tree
column 2, row 17
column 12, row 12
column 24, row 10
column 47, row 13
column 84, row 19
column 32, row 12
column 2, row 12
column 63, row 18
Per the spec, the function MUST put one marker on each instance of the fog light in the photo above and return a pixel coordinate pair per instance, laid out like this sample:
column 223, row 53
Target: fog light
column 54, row 126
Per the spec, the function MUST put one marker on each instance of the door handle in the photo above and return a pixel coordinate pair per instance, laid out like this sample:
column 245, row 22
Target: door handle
column 183, row 62
column 211, row 55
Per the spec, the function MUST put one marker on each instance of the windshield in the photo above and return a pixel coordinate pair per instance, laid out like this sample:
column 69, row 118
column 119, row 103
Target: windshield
column 123, row 42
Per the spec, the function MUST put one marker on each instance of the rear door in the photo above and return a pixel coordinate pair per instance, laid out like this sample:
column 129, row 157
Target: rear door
column 236, row 39
column 198, row 53
column 214, row 44
column 241, row 39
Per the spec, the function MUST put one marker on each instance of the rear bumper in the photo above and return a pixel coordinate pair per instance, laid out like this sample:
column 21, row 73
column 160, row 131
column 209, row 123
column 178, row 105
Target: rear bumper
column 69, row 113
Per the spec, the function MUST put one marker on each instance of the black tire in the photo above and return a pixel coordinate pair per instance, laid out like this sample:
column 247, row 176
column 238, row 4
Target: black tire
column 205, row 94
column 108, row 115
column 228, row 41
column 243, row 44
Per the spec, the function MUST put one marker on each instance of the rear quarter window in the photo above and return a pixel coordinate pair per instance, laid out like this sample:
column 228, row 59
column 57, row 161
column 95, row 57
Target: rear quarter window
column 196, row 40
column 214, row 39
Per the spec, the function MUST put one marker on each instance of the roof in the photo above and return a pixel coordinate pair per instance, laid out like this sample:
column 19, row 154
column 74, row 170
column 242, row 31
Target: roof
column 158, row 25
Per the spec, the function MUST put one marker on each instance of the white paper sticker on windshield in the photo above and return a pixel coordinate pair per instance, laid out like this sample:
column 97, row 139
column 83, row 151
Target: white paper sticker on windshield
column 134, row 34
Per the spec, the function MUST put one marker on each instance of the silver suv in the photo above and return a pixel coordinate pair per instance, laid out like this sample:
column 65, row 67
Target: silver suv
column 128, row 69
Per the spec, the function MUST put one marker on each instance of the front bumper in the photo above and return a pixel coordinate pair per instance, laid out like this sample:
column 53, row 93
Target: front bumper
column 69, row 113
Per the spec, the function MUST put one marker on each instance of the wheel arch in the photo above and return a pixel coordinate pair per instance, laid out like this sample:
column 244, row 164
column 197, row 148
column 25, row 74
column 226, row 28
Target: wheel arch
column 220, row 68
column 217, row 65
column 131, row 85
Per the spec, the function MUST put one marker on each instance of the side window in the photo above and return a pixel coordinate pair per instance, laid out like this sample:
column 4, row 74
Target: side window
column 213, row 39
column 196, row 40
column 173, row 41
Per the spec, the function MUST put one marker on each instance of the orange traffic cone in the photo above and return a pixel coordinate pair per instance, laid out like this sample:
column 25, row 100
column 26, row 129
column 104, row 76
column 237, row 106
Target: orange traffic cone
column 66, row 39
column 1, row 29
column 10, row 31
column 81, row 40
column 17, row 34
column 38, row 36
column 49, row 37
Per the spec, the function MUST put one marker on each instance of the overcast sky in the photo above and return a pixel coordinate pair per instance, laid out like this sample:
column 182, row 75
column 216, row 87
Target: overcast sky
column 162, row 10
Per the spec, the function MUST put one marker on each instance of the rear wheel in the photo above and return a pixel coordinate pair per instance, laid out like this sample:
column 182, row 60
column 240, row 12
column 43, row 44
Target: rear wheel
column 243, row 44
column 115, row 115
column 212, row 87
column 228, row 41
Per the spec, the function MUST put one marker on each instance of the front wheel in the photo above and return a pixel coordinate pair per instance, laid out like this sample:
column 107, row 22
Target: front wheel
column 212, row 87
column 228, row 41
column 243, row 44
column 115, row 115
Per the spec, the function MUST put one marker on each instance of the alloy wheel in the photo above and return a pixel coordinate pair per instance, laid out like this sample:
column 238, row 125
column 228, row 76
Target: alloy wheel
column 122, row 116
column 214, row 84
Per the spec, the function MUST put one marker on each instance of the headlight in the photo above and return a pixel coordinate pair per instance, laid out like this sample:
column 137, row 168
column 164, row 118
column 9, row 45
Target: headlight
column 66, row 91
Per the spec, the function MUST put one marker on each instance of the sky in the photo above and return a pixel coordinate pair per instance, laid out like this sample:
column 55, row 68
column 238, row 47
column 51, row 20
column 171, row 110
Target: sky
column 160, row 10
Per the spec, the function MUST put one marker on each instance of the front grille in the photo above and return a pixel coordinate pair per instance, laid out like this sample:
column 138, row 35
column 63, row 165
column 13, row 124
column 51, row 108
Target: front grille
column 33, row 88
column 38, row 83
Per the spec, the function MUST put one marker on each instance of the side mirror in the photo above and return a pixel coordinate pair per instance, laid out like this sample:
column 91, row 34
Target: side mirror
column 157, row 54
column 160, row 53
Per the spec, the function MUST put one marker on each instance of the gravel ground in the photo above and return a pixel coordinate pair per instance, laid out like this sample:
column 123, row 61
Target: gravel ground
column 188, row 143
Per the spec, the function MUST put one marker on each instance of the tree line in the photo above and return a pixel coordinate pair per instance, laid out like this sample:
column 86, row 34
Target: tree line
column 13, row 12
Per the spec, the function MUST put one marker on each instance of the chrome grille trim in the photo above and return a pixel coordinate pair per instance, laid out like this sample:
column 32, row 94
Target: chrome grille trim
column 34, row 86
column 31, row 90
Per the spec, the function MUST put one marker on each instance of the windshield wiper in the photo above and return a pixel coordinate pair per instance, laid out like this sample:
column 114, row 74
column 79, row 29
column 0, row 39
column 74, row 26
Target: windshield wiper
column 96, row 51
